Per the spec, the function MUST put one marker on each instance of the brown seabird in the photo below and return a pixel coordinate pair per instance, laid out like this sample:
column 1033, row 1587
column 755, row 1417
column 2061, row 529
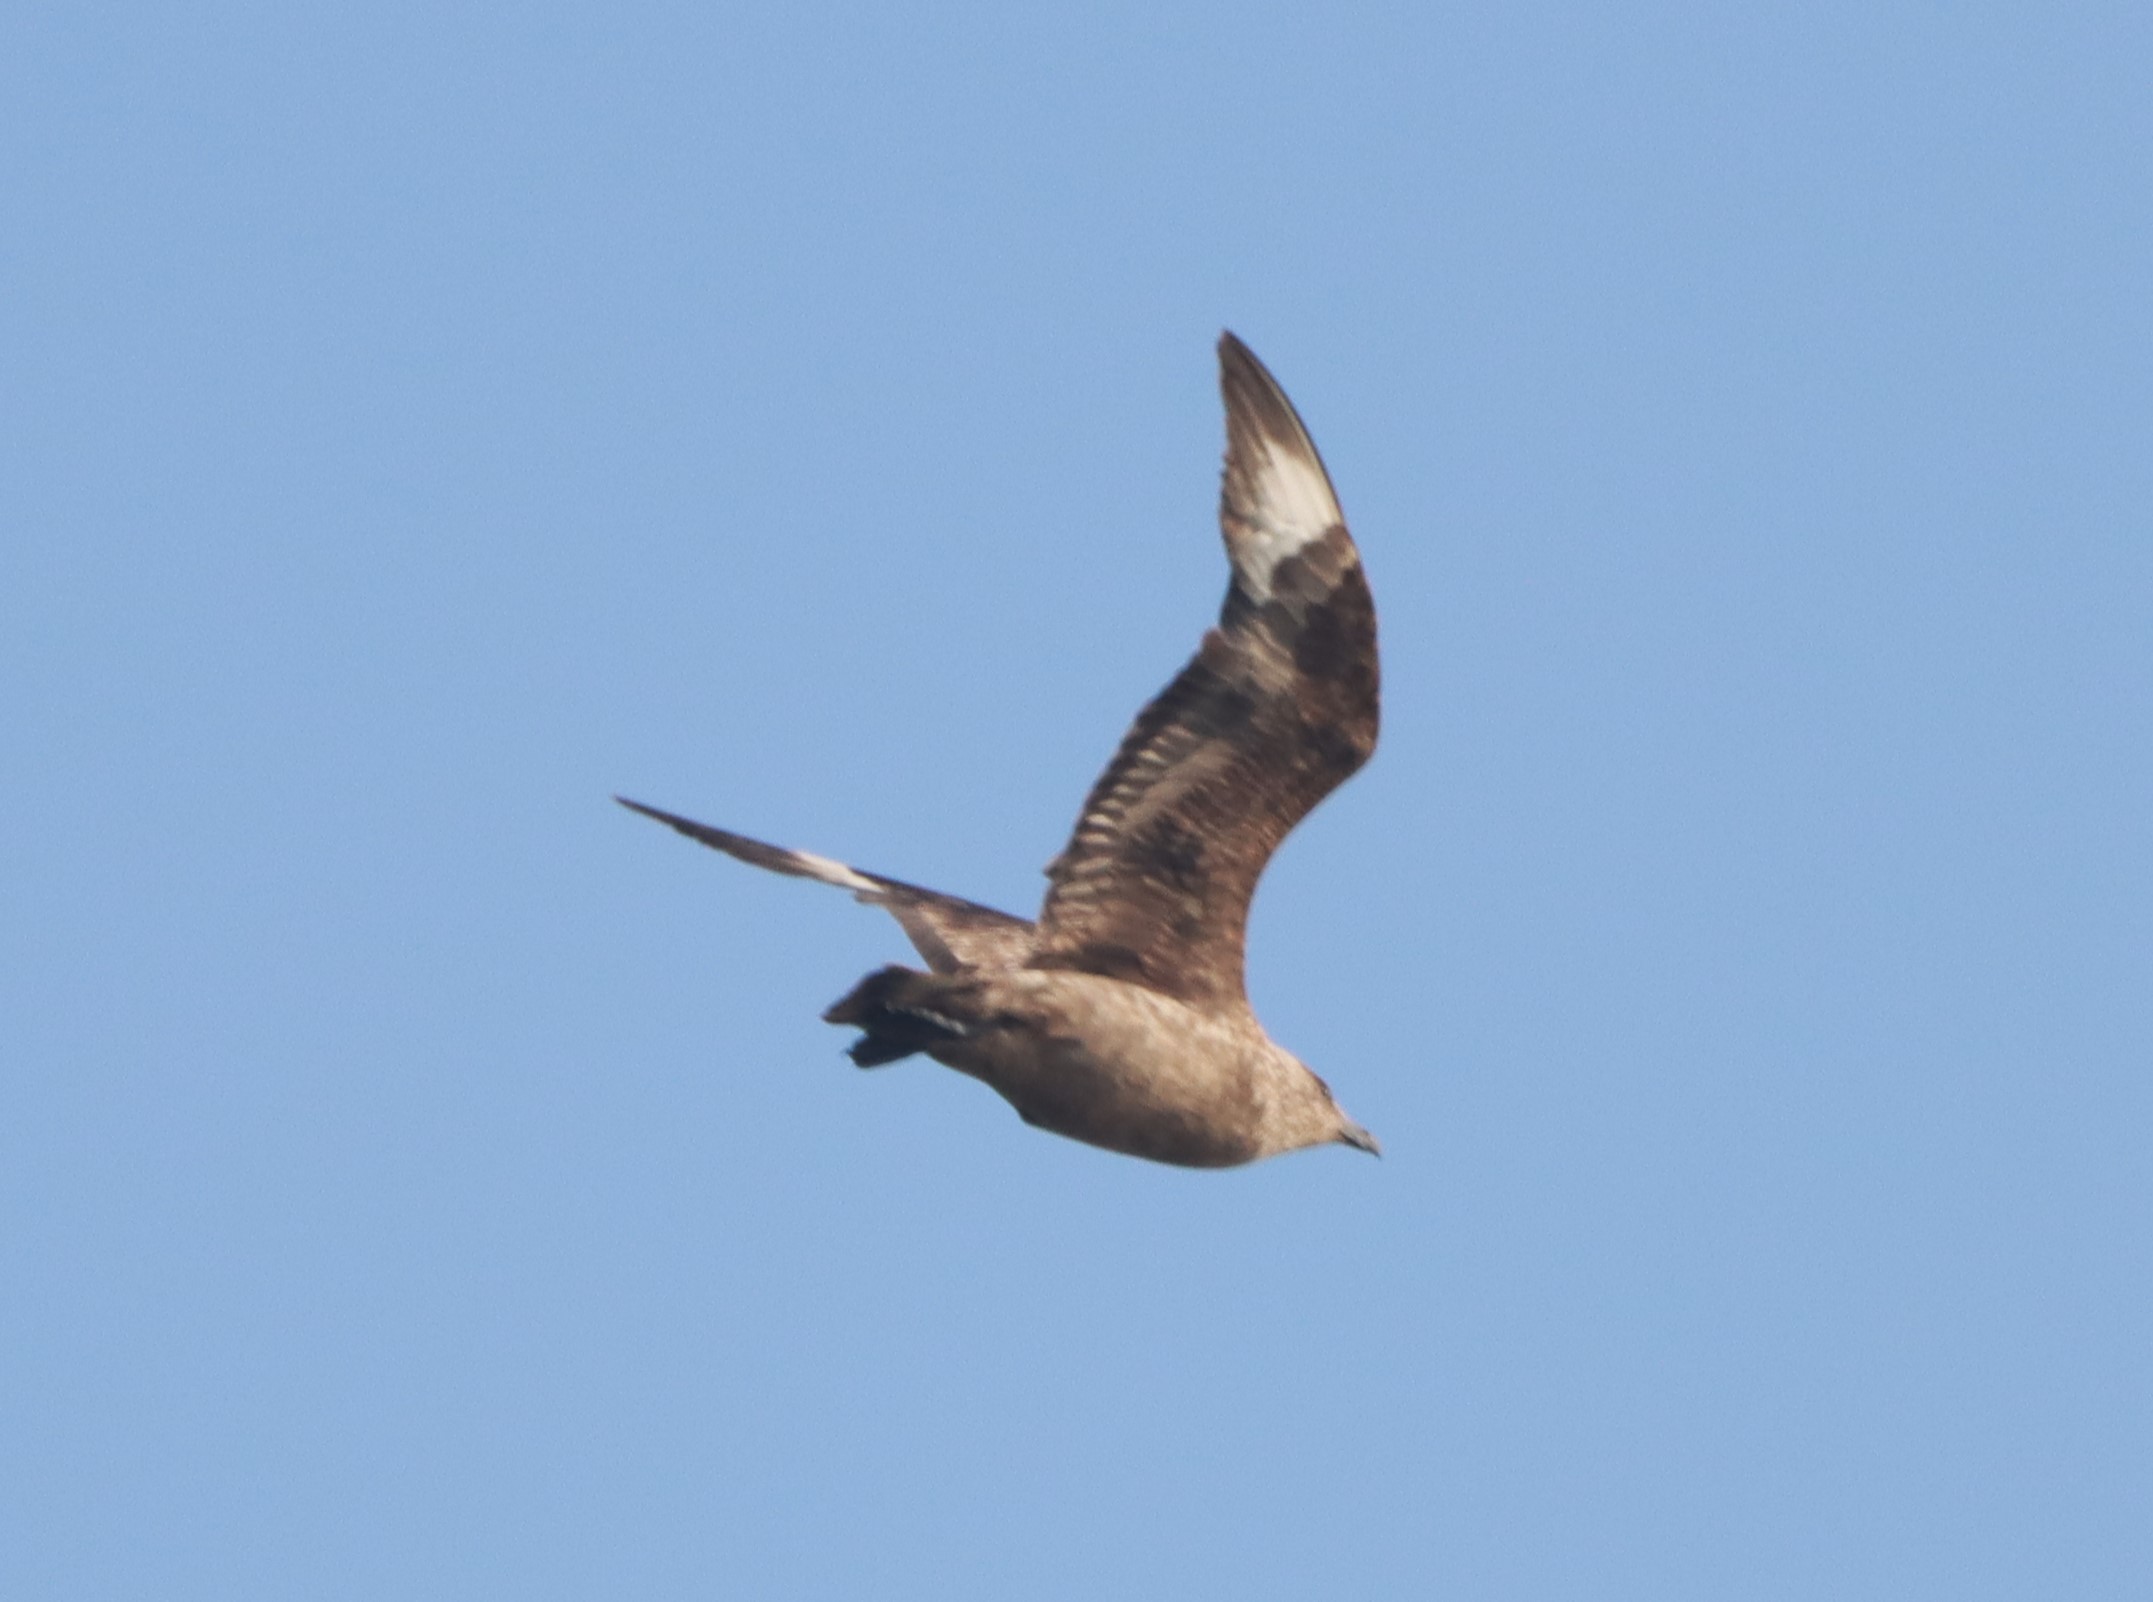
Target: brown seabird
column 1120, row 1017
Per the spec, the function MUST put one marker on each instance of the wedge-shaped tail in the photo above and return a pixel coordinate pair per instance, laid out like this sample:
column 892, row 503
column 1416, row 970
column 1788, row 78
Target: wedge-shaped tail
column 894, row 1008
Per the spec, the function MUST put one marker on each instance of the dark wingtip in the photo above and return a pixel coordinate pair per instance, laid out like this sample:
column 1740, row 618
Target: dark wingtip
column 1254, row 398
column 652, row 812
column 687, row 826
column 1236, row 360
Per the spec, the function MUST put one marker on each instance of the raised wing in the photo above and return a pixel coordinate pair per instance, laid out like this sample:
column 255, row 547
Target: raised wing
column 1276, row 710
column 950, row 932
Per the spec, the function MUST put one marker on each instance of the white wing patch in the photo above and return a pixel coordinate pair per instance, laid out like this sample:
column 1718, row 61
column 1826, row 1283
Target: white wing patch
column 830, row 871
column 1289, row 505
column 1275, row 496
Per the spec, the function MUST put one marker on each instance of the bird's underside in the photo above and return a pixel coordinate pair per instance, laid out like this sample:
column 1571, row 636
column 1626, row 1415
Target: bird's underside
column 1119, row 1017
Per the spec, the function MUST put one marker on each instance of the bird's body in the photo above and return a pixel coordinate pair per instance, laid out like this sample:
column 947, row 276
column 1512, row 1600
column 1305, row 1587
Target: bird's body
column 1107, row 1062
column 1119, row 1017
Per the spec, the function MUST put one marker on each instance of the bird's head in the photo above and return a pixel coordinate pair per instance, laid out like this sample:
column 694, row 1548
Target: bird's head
column 1317, row 1118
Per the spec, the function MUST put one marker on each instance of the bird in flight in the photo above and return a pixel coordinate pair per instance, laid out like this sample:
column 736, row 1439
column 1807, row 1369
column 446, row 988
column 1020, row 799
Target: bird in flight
column 1120, row 1016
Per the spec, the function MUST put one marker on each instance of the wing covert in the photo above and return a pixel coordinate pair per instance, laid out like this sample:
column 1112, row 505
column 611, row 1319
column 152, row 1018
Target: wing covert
column 1278, row 707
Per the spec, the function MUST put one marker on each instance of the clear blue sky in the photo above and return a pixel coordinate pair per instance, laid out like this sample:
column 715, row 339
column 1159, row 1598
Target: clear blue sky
column 422, row 1179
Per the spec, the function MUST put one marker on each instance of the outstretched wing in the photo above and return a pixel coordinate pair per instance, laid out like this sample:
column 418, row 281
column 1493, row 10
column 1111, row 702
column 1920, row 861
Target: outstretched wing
column 950, row 932
column 1277, row 709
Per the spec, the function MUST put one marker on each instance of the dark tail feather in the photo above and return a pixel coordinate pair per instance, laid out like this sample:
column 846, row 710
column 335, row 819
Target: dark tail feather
column 873, row 1051
column 894, row 1007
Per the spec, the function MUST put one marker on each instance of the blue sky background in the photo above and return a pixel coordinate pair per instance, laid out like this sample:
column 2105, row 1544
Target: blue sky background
column 422, row 1179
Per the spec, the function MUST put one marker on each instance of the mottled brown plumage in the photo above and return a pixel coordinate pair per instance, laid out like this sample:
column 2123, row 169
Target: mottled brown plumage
column 1120, row 1017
